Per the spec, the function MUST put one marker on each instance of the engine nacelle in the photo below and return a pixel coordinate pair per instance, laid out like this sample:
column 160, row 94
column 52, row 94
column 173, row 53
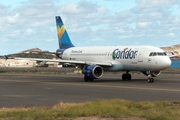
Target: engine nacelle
column 41, row 64
column 93, row 71
column 153, row 73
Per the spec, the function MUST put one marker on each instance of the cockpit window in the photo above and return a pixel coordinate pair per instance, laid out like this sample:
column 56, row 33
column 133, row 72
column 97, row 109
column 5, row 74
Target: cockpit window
column 157, row 54
column 164, row 54
column 151, row 54
column 160, row 54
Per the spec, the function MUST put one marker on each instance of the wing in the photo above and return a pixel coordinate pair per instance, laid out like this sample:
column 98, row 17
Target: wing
column 66, row 61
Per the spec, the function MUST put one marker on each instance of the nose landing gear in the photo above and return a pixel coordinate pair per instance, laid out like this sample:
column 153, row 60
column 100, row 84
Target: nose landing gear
column 150, row 78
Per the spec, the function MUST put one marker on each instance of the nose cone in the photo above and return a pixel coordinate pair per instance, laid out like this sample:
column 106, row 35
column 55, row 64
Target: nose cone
column 166, row 62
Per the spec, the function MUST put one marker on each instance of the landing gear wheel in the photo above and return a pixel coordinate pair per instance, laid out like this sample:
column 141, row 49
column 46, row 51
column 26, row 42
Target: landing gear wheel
column 126, row 76
column 86, row 78
column 150, row 80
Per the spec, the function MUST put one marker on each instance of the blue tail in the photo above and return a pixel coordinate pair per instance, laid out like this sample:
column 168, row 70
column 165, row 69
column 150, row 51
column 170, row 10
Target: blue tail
column 63, row 37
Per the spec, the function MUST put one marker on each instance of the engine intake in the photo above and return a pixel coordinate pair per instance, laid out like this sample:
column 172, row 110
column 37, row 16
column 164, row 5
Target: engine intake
column 41, row 64
column 153, row 73
column 93, row 71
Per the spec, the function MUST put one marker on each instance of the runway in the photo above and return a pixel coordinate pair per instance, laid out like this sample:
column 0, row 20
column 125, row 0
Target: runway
column 28, row 90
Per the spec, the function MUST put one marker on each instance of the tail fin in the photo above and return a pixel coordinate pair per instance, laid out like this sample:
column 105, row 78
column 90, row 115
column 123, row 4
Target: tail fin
column 63, row 37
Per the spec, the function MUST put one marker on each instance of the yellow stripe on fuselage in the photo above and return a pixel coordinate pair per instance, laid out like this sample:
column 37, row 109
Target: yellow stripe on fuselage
column 60, row 31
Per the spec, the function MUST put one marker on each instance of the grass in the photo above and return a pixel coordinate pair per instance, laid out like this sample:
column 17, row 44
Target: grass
column 115, row 108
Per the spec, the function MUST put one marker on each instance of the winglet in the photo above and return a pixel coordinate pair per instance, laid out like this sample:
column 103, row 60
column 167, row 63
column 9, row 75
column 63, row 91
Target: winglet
column 172, row 55
column 6, row 57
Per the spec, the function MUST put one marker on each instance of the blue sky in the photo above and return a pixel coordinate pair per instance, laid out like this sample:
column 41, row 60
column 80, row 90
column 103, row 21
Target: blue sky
column 26, row 24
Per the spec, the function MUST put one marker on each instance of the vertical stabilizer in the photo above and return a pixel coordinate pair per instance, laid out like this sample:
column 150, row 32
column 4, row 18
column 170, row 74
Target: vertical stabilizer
column 63, row 37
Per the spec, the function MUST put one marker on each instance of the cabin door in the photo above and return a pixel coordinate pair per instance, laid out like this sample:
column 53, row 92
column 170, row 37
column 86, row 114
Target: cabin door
column 140, row 55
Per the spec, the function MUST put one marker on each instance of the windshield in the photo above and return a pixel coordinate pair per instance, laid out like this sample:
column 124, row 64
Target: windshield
column 157, row 54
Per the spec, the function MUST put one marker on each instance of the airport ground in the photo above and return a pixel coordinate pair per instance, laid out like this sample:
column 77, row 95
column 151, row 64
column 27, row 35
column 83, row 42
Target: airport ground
column 37, row 89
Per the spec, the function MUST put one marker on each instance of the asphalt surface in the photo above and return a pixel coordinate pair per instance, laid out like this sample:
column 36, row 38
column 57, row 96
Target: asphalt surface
column 28, row 90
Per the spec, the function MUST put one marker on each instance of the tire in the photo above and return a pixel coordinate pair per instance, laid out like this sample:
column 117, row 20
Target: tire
column 149, row 80
column 152, row 80
column 124, row 77
column 86, row 79
column 128, row 76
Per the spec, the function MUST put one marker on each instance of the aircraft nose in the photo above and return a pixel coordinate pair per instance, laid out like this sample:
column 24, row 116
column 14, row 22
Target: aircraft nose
column 167, row 62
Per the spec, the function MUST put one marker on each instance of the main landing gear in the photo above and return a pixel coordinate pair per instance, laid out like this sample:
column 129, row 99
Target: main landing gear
column 126, row 76
column 86, row 79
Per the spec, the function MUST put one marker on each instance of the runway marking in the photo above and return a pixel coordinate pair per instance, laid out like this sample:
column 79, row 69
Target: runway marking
column 123, row 87
column 93, row 85
column 17, row 95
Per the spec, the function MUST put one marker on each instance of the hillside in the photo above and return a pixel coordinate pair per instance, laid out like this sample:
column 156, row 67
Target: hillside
column 175, row 49
column 38, row 53
column 33, row 50
column 32, row 53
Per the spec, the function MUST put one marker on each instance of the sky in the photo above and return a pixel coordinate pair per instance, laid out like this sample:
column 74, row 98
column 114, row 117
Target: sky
column 27, row 24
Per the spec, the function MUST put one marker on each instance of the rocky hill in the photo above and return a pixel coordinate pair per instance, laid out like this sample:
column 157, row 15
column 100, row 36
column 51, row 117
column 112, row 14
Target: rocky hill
column 33, row 50
column 32, row 53
column 173, row 49
column 36, row 51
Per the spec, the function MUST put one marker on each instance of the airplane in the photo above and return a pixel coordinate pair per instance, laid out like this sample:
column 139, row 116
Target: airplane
column 93, row 61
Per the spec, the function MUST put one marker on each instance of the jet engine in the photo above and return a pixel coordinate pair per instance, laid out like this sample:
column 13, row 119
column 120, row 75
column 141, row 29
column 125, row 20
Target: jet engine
column 153, row 73
column 92, row 72
column 41, row 64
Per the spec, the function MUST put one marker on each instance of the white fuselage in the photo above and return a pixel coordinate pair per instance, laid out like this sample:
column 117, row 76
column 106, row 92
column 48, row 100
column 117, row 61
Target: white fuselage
column 127, row 58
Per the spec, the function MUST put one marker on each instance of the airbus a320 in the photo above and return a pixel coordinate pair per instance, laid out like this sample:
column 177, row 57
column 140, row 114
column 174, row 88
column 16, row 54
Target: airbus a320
column 93, row 61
